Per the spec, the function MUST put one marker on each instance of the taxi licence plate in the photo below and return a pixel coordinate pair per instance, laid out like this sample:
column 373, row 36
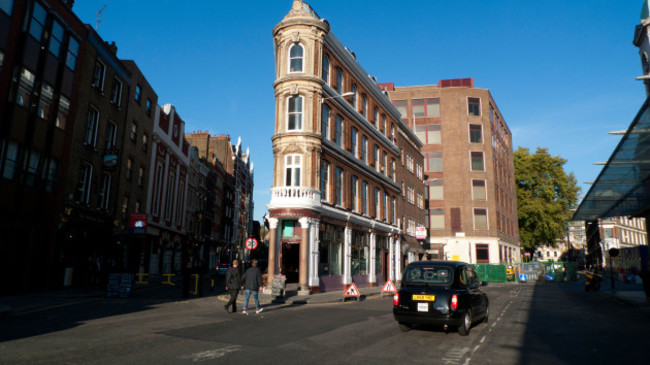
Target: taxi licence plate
column 428, row 298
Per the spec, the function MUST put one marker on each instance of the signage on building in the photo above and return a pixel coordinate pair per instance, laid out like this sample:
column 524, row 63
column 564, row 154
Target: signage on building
column 420, row 233
column 137, row 223
column 110, row 161
column 251, row 243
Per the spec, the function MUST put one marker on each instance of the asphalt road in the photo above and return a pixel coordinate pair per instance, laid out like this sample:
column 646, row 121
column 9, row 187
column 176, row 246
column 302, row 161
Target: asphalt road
column 529, row 324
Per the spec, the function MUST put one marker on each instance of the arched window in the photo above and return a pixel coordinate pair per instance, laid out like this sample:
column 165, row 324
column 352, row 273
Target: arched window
column 326, row 69
column 339, row 80
column 294, row 115
column 354, row 96
column 295, row 58
column 325, row 122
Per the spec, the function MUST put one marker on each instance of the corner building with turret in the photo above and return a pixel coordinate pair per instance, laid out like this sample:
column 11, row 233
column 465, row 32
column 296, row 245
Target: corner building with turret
column 343, row 204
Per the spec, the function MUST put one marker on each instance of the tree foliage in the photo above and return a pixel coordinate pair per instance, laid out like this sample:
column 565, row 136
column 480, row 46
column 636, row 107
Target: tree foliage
column 545, row 196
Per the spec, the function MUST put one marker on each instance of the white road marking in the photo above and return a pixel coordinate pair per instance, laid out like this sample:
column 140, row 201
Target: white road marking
column 211, row 354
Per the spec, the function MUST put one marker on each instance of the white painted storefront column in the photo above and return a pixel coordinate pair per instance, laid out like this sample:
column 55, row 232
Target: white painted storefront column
column 347, row 256
column 372, row 275
column 398, row 260
column 391, row 259
column 303, row 272
column 313, row 253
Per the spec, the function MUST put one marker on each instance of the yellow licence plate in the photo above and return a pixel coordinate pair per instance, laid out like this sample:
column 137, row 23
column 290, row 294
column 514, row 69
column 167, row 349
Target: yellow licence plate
column 430, row 298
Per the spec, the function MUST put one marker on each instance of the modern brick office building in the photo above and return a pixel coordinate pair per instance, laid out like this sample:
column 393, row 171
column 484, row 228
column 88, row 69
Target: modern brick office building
column 469, row 168
column 336, row 214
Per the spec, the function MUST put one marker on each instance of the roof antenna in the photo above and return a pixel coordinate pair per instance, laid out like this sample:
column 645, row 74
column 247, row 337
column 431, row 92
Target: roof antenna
column 99, row 13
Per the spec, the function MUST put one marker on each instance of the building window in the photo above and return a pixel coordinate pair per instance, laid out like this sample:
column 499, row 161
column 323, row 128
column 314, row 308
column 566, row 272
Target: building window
column 437, row 218
column 475, row 133
column 338, row 187
column 134, row 131
column 85, row 183
column 392, row 133
column 292, row 168
column 428, row 134
column 392, row 169
column 375, row 117
column 99, row 74
column 50, row 172
column 425, row 107
column 38, row 21
column 480, row 219
column 325, row 122
column 30, row 165
column 129, row 169
column 145, row 142
column 410, row 194
column 364, row 198
column 141, row 177
column 45, row 102
column 138, row 93
column 157, row 189
column 110, row 139
column 418, row 171
column 116, row 92
column 375, row 157
column 10, row 157
column 401, row 106
column 73, row 51
column 354, row 200
column 339, row 80
column 383, row 124
column 384, row 158
column 295, row 58
column 409, row 162
column 385, row 203
column 105, row 191
column 376, row 202
column 339, row 131
column 393, row 205
column 324, row 180
column 436, row 190
column 326, row 69
column 474, row 106
column 364, row 106
column 364, row 149
column 294, row 115
column 64, row 111
column 56, row 38
column 354, row 97
column 477, row 161
column 353, row 142
column 148, row 107
column 434, row 161
column 419, row 200
column 482, row 253
column 171, row 186
column 92, row 124
column 6, row 6
column 478, row 190
column 179, row 203
column 25, row 83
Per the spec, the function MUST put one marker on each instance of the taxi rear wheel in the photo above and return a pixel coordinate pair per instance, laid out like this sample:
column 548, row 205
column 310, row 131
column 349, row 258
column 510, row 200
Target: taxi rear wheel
column 404, row 327
column 464, row 327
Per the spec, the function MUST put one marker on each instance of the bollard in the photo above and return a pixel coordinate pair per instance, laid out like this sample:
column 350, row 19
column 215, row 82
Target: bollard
column 140, row 276
column 169, row 276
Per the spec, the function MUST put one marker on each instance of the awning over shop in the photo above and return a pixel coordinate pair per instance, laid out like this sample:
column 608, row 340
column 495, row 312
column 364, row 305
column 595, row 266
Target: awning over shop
column 623, row 186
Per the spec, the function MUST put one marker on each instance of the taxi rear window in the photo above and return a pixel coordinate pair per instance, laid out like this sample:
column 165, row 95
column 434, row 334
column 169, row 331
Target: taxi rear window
column 433, row 275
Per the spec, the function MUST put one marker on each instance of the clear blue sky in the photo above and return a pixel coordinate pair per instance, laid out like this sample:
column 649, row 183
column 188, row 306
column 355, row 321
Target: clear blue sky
column 562, row 72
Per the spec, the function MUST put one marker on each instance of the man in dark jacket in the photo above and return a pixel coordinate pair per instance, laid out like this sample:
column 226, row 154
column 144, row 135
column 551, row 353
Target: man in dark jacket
column 252, row 284
column 233, row 284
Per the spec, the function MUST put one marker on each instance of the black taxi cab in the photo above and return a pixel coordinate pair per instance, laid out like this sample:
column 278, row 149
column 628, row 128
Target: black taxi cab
column 445, row 293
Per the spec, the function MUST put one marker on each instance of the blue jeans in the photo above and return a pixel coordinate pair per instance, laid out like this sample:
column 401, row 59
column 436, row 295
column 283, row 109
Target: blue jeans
column 248, row 296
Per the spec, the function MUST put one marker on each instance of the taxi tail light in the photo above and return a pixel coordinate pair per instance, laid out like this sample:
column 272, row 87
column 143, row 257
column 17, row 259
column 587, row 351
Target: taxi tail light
column 454, row 301
column 396, row 299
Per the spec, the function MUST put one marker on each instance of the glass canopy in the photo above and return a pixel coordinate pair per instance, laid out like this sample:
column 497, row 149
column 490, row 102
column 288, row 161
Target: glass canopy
column 623, row 186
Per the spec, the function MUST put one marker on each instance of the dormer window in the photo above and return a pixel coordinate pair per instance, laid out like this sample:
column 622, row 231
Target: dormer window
column 295, row 58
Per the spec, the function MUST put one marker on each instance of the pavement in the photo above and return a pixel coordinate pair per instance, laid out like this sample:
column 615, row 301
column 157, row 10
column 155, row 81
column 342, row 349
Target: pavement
column 628, row 294
column 167, row 293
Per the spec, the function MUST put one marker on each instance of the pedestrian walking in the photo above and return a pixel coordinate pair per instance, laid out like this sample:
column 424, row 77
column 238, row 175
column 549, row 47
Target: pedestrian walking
column 233, row 284
column 253, row 285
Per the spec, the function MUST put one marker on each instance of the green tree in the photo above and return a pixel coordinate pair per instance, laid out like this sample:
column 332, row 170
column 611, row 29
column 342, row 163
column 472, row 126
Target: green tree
column 545, row 196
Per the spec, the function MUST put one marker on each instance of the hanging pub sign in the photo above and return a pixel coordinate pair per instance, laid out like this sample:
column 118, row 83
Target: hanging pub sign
column 137, row 223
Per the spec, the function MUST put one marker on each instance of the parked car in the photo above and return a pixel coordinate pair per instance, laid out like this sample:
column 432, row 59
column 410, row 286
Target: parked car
column 222, row 269
column 440, row 293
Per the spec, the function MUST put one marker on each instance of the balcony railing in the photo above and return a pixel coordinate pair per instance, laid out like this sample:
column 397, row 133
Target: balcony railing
column 294, row 196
